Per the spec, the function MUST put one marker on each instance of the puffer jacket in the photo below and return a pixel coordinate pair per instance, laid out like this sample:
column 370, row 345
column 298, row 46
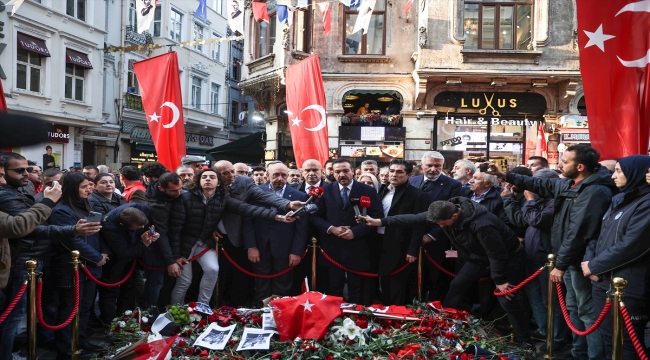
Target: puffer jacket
column 102, row 204
column 160, row 206
column 579, row 210
column 192, row 220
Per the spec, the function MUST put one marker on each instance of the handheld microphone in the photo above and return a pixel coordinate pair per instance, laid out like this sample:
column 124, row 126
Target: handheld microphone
column 315, row 193
column 364, row 202
column 355, row 202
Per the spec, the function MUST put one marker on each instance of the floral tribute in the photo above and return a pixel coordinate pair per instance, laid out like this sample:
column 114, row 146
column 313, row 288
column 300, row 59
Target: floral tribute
column 437, row 334
column 370, row 119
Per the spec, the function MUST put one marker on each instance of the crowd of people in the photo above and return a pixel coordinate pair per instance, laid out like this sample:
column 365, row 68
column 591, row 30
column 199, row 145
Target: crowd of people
column 474, row 220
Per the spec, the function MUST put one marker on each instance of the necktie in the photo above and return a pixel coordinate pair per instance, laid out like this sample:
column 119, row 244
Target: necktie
column 426, row 185
column 344, row 196
column 308, row 189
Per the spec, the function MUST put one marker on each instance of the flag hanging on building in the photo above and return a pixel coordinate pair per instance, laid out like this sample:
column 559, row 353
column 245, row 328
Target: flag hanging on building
column 260, row 12
column 236, row 16
column 160, row 88
column 614, row 39
column 541, row 147
column 201, row 11
column 325, row 8
column 283, row 15
column 306, row 109
column 408, row 5
column 144, row 12
column 364, row 17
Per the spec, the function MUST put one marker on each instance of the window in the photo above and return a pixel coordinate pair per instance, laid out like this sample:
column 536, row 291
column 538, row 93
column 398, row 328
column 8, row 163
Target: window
column 74, row 82
column 175, row 26
column 236, row 69
column 214, row 98
column 215, row 53
column 29, row 67
column 303, row 30
column 498, row 25
column 132, row 86
column 133, row 18
column 157, row 21
column 217, row 5
column 234, row 112
column 266, row 36
column 197, row 35
column 196, row 93
column 76, row 9
column 373, row 43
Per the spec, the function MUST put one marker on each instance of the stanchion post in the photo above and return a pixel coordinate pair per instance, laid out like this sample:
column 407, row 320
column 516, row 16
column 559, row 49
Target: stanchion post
column 31, row 265
column 420, row 275
column 550, row 311
column 314, row 250
column 617, row 319
column 76, row 349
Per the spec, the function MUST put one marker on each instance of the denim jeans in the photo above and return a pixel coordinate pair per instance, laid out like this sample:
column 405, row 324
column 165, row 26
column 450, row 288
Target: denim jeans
column 537, row 291
column 210, row 265
column 10, row 325
column 154, row 278
column 579, row 302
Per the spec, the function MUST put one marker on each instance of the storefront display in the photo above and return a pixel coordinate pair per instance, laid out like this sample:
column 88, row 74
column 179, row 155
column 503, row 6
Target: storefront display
column 378, row 143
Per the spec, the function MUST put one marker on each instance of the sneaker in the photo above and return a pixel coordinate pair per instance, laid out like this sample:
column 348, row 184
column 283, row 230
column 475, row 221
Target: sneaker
column 537, row 335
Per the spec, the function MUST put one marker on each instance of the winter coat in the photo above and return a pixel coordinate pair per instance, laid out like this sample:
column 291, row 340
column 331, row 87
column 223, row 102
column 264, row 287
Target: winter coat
column 192, row 220
column 492, row 201
column 579, row 210
column 538, row 214
column 160, row 207
column 512, row 215
column 122, row 243
column 103, row 205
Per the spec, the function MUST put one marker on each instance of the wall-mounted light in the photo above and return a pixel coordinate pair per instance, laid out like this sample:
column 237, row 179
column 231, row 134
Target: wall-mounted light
column 348, row 105
column 385, row 99
column 351, row 97
column 269, row 155
column 453, row 81
column 539, row 83
column 419, row 114
column 499, row 82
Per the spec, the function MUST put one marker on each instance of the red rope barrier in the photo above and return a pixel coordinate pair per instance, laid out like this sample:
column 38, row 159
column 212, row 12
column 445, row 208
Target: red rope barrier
column 260, row 276
column 100, row 283
column 153, row 268
column 447, row 272
column 361, row 273
column 565, row 313
column 521, row 284
column 638, row 346
column 75, row 307
column 13, row 303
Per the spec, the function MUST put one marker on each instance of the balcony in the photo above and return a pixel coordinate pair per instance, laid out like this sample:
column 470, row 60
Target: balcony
column 133, row 102
column 133, row 37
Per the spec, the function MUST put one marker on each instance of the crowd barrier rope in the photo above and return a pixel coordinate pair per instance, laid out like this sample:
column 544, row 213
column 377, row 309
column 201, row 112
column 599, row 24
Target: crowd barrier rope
column 361, row 273
column 445, row 271
column 565, row 313
column 521, row 284
column 13, row 303
column 638, row 345
column 259, row 276
column 75, row 307
column 100, row 283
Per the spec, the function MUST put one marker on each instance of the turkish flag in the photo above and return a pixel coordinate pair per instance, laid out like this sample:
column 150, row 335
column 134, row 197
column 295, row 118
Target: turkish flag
column 325, row 10
column 157, row 349
column 307, row 316
column 614, row 38
column 541, row 147
column 160, row 88
column 306, row 109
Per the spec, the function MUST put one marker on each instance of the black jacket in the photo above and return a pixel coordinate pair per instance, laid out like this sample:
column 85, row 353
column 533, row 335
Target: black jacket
column 121, row 243
column 512, row 214
column 102, row 204
column 479, row 236
column 160, row 207
column 37, row 244
column 579, row 210
column 193, row 221
column 492, row 201
column 622, row 247
column 538, row 214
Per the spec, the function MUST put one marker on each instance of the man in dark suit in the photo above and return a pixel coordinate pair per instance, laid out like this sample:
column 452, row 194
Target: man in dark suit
column 399, row 244
column 437, row 187
column 312, row 171
column 342, row 238
column 274, row 246
column 233, row 284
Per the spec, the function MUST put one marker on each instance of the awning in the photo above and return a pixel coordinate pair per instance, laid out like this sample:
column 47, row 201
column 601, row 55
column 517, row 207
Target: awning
column 249, row 149
column 32, row 44
column 77, row 58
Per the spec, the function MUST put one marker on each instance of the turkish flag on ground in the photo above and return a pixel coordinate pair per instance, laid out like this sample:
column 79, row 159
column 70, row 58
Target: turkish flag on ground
column 154, row 350
column 260, row 12
column 614, row 38
column 160, row 88
column 541, row 147
column 307, row 316
column 325, row 10
column 306, row 109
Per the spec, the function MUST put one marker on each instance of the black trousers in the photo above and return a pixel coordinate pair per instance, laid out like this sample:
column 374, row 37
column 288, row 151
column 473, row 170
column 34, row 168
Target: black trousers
column 115, row 300
column 87, row 293
column 393, row 287
column 235, row 287
column 360, row 288
column 435, row 283
column 280, row 285
column 517, row 309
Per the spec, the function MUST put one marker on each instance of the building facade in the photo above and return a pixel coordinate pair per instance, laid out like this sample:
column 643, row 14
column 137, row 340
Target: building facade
column 473, row 79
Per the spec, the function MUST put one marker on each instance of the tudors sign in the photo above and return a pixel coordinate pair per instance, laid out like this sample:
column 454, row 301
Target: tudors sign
column 58, row 134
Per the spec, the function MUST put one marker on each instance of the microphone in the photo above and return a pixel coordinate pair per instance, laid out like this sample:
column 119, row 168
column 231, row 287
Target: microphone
column 355, row 202
column 315, row 193
column 364, row 202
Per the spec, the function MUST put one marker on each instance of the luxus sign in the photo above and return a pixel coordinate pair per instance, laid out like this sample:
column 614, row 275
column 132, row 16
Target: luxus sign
column 488, row 121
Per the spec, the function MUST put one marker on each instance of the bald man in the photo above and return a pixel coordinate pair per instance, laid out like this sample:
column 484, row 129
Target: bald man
column 241, row 169
column 241, row 188
column 312, row 171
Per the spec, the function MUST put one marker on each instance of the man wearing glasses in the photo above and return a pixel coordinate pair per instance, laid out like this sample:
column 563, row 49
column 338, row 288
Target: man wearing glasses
column 195, row 162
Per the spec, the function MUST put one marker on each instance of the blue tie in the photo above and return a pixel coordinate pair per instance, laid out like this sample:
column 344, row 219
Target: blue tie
column 344, row 196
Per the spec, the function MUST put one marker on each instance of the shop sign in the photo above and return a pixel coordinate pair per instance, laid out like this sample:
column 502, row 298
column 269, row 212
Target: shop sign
column 488, row 121
column 144, row 134
column 452, row 142
column 574, row 122
column 139, row 133
column 575, row 137
column 206, row 140
column 58, row 133
column 392, row 151
column 144, row 156
column 491, row 104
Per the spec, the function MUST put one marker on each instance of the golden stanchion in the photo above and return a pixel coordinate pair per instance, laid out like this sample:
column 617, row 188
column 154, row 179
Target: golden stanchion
column 420, row 275
column 314, row 250
column 550, row 311
column 617, row 318
column 31, row 265
column 76, row 351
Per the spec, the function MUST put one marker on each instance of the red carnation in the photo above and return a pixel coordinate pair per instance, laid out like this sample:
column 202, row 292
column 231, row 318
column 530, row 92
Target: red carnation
column 189, row 351
column 192, row 304
column 276, row 355
column 212, row 318
column 182, row 343
column 204, row 353
column 362, row 323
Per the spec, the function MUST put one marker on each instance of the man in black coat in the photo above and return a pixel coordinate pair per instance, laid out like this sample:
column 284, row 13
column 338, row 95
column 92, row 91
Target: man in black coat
column 342, row 238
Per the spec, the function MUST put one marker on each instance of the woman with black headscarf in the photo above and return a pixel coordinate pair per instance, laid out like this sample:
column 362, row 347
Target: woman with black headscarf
column 622, row 249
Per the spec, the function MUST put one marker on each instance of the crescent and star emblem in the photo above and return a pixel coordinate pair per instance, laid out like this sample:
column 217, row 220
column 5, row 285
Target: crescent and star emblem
column 175, row 112
column 598, row 38
column 323, row 117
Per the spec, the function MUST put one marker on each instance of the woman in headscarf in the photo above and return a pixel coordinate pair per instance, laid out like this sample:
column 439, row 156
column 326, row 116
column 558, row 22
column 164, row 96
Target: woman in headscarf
column 622, row 249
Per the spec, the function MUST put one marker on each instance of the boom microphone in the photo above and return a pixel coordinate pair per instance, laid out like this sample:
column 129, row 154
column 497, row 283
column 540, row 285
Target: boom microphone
column 315, row 193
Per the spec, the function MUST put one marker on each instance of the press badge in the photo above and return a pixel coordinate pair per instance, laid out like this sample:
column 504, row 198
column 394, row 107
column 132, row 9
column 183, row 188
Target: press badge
column 451, row 254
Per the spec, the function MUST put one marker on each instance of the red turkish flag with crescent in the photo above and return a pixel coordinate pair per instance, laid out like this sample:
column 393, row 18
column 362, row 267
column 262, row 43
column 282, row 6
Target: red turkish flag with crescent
column 160, row 88
column 307, row 316
column 157, row 349
column 306, row 109
column 614, row 38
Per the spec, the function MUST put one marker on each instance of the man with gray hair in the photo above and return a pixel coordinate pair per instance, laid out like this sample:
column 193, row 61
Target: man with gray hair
column 483, row 192
column 187, row 175
column 370, row 166
column 464, row 171
column 104, row 169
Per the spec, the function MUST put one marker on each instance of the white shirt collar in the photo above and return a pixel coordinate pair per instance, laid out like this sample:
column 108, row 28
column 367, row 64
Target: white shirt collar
column 349, row 186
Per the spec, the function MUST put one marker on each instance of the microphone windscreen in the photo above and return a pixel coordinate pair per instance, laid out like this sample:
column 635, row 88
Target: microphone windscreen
column 316, row 192
column 21, row 130
column 354, row 201
column 364, row 202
